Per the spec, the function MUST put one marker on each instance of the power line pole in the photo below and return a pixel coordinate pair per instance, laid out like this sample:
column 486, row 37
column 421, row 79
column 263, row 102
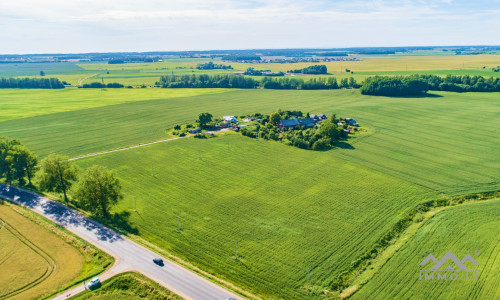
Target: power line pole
column 179, row 223
column 135, row 203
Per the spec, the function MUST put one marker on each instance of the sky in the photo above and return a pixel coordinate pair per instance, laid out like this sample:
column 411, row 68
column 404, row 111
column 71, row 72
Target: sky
column 80, row 26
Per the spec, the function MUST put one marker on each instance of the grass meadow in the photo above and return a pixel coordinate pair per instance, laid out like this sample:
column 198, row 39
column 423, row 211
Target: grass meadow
column 470, row 228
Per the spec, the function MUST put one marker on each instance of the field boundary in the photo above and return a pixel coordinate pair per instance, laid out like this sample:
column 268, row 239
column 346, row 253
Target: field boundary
column 351, row 280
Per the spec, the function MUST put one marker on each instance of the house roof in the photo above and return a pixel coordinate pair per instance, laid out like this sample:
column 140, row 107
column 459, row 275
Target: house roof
column 307, row 121
column 322, row 116
column 290, row 122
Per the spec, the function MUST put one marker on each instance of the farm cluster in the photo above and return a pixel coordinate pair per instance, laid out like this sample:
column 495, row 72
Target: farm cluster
column 306, row 131
column 309, row 131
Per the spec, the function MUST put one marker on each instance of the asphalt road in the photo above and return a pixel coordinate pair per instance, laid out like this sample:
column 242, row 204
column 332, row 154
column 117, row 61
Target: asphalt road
column 129, row 256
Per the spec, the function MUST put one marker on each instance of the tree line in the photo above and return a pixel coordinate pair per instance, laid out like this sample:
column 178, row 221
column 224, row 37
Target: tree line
column 97, row 188
column 206, row 81
column 98, row 85
column 237, row 57
column 316, row 69
column 211, row 66
column 238, row 81
column 419, row 84
column 394, row 86
column 30, row 83
column 325, row 83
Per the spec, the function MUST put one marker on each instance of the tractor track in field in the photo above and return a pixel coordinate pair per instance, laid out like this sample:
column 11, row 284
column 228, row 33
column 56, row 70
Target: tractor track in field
column 222, row 131
column 51, row 264
column 81, row 80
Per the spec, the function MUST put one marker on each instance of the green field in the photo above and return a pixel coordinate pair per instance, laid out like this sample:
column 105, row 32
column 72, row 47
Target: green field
column 131, row 286
column 288, row 209
column 469, row 228
column 37, row 259
column 140, row 73
column 18, row 104
column 446, row 143
column 284, row 205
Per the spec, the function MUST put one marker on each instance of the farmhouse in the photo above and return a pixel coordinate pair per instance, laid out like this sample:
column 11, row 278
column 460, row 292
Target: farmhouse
column 351, row 122
column 230, row 119
column 290, row 123
column 307, row 122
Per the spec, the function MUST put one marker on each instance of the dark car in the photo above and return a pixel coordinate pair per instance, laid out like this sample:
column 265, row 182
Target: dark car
column 158, row 261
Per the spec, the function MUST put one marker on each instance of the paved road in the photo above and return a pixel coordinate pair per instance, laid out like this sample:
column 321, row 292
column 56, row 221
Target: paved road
column 128, row 255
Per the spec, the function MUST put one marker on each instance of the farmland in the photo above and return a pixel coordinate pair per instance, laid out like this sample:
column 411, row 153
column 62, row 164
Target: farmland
column 288, row 210
column 35, row 261
column 282, row 226
column 414, row 138
column 144, row 73
column 469, row 228
column 28, row 103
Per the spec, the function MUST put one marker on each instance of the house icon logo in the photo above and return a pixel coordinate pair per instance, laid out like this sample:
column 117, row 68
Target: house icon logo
column 449, row 267
column 438, row 264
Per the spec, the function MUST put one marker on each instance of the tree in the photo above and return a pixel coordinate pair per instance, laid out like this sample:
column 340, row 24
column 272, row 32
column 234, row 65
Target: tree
column 57, row 174
column 24, row 163
column 7, row 158
column 204, row 118
column 98, row 190
column 275, row 118
column 42, row 73
column 330, row 131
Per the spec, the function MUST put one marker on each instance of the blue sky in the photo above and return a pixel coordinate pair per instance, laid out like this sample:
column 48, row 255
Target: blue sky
column 56, row 26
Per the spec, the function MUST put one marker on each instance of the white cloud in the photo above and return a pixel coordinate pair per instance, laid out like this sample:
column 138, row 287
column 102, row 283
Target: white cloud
column 90, row 25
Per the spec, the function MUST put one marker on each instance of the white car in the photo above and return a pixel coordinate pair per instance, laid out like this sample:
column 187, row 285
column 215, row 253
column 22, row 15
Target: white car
column 96, row 282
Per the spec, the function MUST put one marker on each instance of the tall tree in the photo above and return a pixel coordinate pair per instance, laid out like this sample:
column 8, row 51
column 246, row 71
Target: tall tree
column 24, row 163
column 57, row 174
column 6, row 158
column 275, row 118
column 98, row 190
column 204, row 118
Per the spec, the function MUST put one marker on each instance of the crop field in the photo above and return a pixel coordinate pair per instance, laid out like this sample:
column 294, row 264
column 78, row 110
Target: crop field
column 447, row 143
column 28, row 103
column 141, row 73
column 33, row 260
column 393, row 63
column 286, row 207
column 33, row 69
column 39, row 259
column 467, row 229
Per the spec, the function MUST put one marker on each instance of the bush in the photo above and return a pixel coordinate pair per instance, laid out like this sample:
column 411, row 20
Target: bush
column 200, row 136
column 182, row 134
